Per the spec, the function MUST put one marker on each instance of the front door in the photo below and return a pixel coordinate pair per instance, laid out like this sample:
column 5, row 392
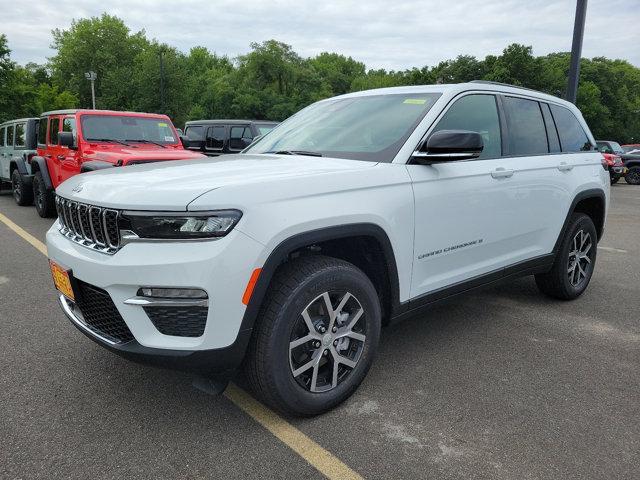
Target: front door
column 54, row 154
column 70, row 158
column 463, row 209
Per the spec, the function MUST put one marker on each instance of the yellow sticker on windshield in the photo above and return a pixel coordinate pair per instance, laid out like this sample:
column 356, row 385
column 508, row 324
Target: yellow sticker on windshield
column 415, row 101
column 162, row 124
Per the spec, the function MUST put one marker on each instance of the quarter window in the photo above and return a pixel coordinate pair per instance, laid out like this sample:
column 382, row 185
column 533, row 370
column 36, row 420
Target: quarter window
column 21, row 135
column 54, row 126
column 552, row 132
column 477, row 113
column 240, row 138
column 527, row 133
column 215, row 137
column 10, row 136
column 572, row 136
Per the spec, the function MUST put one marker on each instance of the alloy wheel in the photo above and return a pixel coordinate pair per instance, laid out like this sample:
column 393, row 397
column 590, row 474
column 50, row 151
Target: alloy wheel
column 17, row 189
column 327, row 341
column 580, row 258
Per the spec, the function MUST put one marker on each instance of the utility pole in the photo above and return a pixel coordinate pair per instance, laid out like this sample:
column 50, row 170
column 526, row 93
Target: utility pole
column 91, row 76
column 576, row 50
column 161, row 83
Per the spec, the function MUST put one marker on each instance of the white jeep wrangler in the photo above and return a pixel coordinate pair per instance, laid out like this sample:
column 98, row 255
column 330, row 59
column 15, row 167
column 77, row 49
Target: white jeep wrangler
column 289, row 257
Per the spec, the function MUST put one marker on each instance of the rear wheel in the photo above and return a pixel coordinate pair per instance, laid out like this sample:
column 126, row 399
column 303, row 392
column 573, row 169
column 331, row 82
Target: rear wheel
column 22, row 194
column 316, row 337
column 633, row 176
column 574, row 263
column 43, row 197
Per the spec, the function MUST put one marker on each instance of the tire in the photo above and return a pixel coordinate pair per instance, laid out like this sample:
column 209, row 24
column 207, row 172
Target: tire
column 302, row 286
column 43, row 197
column 615, row 179
column 632, row 176
column 574, row 263
column 22, row 194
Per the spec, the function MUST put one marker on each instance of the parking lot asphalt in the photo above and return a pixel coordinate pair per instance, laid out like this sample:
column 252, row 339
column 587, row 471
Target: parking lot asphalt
column 500, row 383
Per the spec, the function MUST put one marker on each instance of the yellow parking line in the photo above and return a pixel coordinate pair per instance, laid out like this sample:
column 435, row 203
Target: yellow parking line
column 41, row 247
column 321, row 459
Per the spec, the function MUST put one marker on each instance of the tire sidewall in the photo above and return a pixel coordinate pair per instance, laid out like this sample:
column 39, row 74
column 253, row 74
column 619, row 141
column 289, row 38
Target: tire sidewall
column 16, row 178
column 634, row 178
column 582, row 222
column 338, row 278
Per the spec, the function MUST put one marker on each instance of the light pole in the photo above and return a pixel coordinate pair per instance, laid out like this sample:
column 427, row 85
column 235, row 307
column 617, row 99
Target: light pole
column 91, row 76
column 576, row 50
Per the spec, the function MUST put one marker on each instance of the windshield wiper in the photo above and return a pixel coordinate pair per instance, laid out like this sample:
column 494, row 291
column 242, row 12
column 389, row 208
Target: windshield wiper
column 296, row 152
column 142, row 140
column 113, row 140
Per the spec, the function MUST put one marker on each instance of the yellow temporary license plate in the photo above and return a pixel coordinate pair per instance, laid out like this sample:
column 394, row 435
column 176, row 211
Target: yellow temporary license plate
column 61, row 280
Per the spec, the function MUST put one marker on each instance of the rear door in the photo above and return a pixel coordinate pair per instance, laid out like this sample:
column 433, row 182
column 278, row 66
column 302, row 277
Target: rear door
column 7, row 150
column 240, row 137
column 4, row 162
column 216, row 140
column 54, row 154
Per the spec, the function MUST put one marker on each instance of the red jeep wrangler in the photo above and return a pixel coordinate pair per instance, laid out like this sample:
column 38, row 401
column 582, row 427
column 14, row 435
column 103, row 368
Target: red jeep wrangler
column 78, row 141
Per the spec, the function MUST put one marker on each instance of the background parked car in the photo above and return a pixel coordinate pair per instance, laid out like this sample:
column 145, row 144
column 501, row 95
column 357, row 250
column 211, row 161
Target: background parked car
column 631, row 161
column 77, row 141
column 615, row 166
column 215, row 137
column 17, row 147
column 632, row 148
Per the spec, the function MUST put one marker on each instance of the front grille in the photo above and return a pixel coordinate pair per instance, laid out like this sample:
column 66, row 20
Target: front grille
column 100, row 313
column 89, row 225
column 178, row 321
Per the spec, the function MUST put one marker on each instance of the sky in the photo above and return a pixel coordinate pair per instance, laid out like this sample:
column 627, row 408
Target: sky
column 390, row 34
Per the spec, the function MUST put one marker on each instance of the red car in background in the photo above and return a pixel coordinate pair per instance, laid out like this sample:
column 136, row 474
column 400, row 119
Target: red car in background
column 612, row 159
column 77, row 141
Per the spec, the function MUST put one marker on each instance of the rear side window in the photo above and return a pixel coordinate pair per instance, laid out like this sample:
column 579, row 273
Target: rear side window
column 42, row 131
column 552, row 132
column 527, row 133
column 10, row 136
column 195, row 133
column 215, row 137
column 21, row 134
column 572, row 136
column 2, row 132
column 477, row 113
column 54, row 126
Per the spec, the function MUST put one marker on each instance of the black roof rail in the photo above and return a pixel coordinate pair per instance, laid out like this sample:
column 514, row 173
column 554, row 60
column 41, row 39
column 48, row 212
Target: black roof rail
column 489, row 82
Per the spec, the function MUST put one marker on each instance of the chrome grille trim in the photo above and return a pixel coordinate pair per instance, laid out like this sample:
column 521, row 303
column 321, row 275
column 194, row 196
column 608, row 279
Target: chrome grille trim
column 89, row 225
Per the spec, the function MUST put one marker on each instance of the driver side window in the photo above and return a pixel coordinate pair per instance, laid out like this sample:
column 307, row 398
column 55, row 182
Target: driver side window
column 477, row 113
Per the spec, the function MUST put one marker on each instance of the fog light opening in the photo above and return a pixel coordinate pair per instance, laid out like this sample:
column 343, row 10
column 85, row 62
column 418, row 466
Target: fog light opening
column 161, row 292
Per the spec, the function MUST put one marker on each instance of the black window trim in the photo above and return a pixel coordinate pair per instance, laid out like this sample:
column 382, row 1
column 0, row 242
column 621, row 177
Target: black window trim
column 3, row 129
column 546, row 134
column 593, row 147
column 548, row 128
column 11, row 126
column 46, row 131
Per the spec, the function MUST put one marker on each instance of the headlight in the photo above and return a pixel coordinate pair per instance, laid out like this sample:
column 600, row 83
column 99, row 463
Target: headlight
column 178, row 226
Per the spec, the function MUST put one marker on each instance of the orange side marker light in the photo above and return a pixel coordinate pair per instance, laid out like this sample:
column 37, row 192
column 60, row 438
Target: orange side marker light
column 250, row 286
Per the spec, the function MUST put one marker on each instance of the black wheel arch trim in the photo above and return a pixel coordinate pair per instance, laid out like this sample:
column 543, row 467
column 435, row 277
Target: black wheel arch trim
column 281, row 253
column 20, row 164
column 584, row 195
column 42, row 168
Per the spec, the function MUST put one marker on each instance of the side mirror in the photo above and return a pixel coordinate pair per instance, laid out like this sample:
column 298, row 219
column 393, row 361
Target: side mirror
column 448, row 146
column 65, row 139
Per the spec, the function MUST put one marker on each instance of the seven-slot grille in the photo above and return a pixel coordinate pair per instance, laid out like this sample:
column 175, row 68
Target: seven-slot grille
column 89, row 225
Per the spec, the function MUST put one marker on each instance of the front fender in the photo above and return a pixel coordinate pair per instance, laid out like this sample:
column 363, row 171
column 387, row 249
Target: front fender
column 41, row 166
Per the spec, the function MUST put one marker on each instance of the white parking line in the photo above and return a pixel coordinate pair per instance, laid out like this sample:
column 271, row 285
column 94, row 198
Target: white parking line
column 611, row 249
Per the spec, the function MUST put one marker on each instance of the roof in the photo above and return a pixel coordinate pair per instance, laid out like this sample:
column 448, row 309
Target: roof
column 26, row 119
column 72, row 111
column 455, row 88
column 227, row 121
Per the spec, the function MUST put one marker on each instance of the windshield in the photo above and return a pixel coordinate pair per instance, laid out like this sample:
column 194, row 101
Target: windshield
column 371, row 128
column 125, row 128
column 264, row 129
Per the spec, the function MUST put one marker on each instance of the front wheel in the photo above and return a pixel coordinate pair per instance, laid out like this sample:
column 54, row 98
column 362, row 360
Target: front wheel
column 633, row 176
column 316, row 336
column 43, row 197
column 22, row 194
column 574, row 263
column 614, row 179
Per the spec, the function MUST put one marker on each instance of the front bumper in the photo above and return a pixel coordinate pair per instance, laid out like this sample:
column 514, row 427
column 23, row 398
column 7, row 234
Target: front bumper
column 220, row 267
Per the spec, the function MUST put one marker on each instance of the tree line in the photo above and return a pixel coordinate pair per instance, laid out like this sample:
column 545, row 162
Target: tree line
column 272, row 81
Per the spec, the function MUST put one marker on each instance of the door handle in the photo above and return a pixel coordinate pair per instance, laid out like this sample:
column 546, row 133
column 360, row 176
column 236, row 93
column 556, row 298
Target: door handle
column 48, row 155
column 501, row 173
column 60, row 157
column 565, row 167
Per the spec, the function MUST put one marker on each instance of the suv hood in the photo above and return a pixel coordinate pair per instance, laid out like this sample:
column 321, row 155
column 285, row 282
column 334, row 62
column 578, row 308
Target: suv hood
column 139, row 153
column 173, row 185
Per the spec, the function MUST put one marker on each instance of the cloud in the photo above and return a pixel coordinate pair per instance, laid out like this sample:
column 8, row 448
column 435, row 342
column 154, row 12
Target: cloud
column 382, row 33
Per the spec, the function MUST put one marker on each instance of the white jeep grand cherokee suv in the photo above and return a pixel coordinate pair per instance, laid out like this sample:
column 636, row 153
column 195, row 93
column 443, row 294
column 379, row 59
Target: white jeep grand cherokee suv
column 288, row 258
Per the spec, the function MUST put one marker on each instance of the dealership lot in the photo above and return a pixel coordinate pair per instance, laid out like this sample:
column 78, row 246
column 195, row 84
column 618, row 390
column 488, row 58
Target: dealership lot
column 501, row 383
